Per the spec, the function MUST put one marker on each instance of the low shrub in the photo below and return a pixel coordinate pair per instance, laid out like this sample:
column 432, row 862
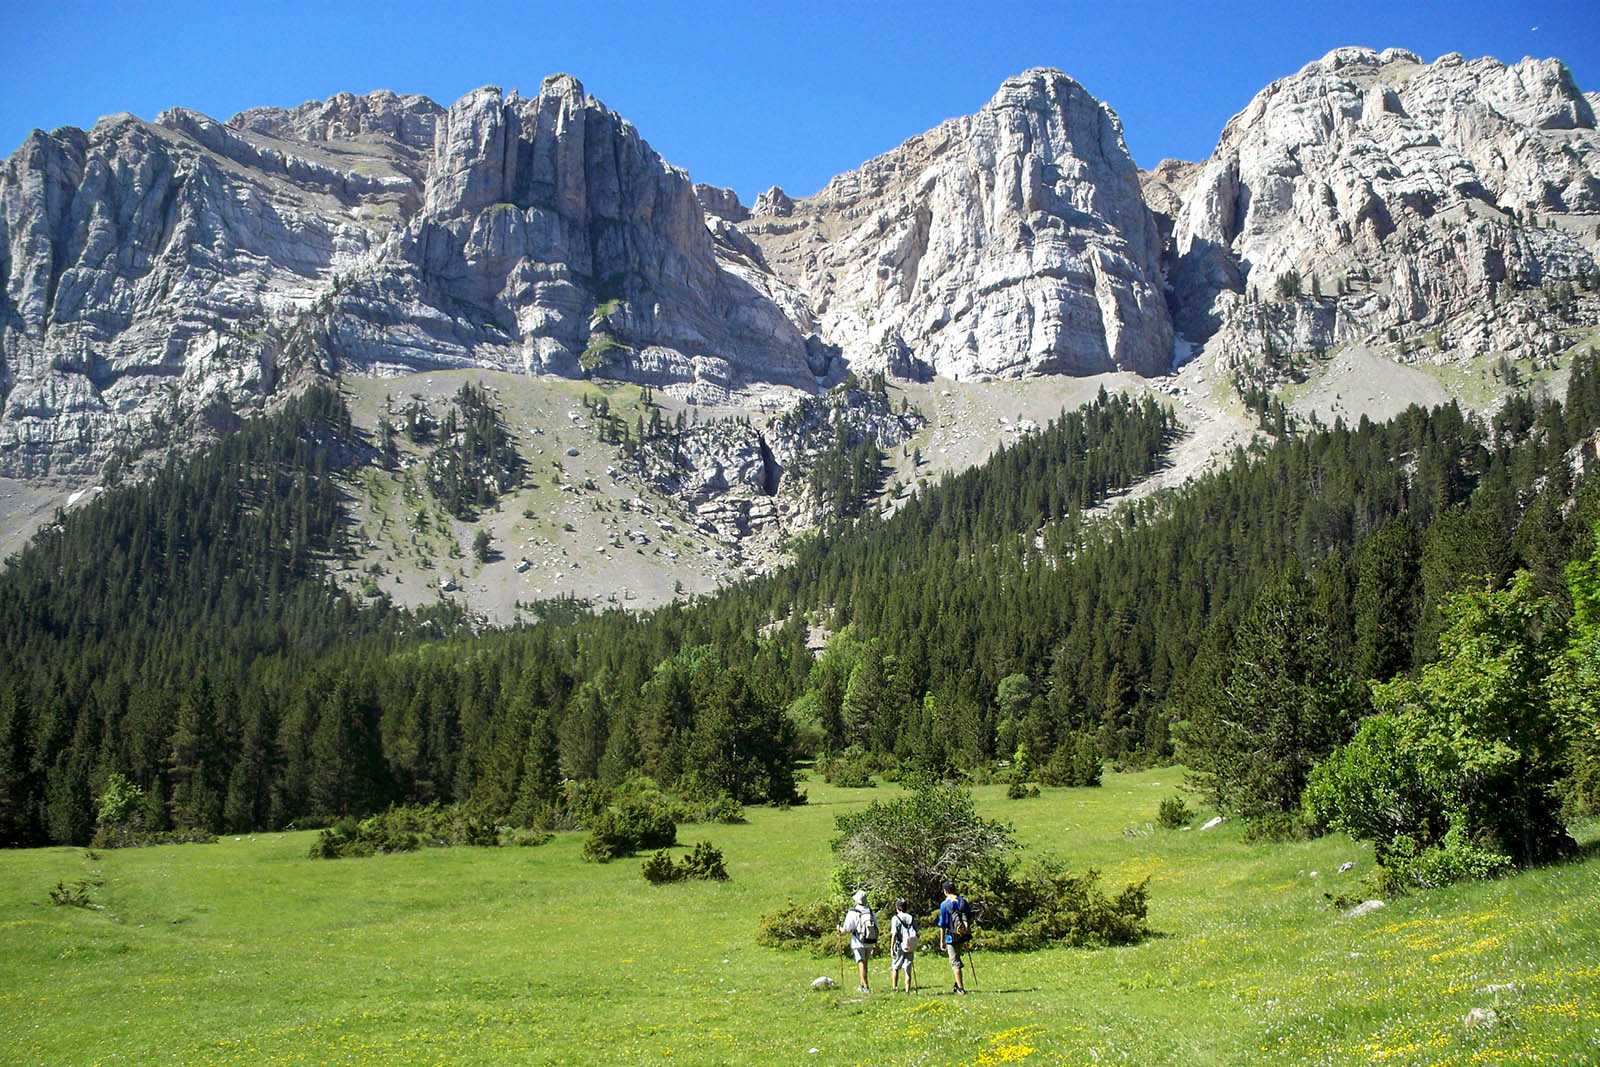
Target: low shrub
column 630, row 827
column 1043, row 904
column 1453, row 859
column 810, row 927
column 1279, row 827
column 853, row 768
column 705, row 863
column 853, row 776
column 723, row 809
column 76, row 895
column 658, row 868
column 1020, row 790
column 125, row 838
column 522, row 837
column 403, row 830
column 1173, row 814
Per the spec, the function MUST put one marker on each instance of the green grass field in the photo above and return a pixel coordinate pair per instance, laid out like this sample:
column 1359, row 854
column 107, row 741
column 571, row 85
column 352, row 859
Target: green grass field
column 246, row 952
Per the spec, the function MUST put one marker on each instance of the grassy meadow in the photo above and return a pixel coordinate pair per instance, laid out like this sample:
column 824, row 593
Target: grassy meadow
column 246, row 952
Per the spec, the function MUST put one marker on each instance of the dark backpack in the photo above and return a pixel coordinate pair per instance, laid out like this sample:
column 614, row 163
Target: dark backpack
column 867, row 931
column 960, row 922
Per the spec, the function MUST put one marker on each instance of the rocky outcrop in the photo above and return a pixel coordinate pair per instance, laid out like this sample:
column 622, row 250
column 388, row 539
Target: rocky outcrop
column 1406, row 192
column 1010, row 242
column 145, row 267
column 538, row 212
column 381, row 116
column 157, row 271
column 723, row 203
column 738, row 477
column 774, row 203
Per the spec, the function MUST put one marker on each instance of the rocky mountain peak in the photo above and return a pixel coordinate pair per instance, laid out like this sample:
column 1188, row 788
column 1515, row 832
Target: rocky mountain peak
column 723, row 203
column 1363, row 164
column 1009, row 242
column 538, row 212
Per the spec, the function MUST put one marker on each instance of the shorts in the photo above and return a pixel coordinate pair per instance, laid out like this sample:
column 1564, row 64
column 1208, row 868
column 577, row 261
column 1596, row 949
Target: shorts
column 900, row 959
column 953, row 950
column 862, row 953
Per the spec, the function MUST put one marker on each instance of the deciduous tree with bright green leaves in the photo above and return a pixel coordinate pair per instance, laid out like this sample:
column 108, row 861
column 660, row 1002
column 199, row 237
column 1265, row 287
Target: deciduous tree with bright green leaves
column 1576, row 680
column 1460, row 770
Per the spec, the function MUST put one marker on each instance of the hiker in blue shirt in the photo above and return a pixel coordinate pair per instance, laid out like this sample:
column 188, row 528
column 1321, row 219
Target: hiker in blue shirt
column 955, row 919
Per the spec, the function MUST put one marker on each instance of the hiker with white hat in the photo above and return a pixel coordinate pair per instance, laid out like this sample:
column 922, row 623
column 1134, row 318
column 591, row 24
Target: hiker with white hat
column 862, row 926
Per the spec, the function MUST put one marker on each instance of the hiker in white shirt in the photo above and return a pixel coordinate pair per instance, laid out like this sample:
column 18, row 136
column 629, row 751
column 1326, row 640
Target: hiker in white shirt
column 862, row 926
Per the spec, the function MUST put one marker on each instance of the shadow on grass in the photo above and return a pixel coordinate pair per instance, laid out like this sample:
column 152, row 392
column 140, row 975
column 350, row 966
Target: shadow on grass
column 1586, row 832
column 1589, row 850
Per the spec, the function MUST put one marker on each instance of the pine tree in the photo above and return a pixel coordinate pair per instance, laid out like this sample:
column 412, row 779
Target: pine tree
column 1387, row 600
column 541, row 773
column 1278, row 706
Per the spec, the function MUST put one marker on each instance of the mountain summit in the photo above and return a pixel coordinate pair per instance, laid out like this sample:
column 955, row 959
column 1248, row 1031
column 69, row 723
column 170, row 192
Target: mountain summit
column 1403, row 192
column 1011, row 241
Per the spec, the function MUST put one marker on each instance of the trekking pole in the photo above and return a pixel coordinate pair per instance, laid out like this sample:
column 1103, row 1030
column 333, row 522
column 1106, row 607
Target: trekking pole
column 838, row 939
column 972, row 949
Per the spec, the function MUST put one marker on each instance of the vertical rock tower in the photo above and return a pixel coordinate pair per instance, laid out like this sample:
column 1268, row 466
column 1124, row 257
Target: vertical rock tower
column 1013, row 241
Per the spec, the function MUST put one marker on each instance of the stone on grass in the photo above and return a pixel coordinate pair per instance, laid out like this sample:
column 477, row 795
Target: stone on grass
column 823, row 982
column 1366, row 907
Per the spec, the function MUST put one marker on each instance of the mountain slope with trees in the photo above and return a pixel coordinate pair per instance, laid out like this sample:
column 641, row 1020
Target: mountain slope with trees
column 984, row 617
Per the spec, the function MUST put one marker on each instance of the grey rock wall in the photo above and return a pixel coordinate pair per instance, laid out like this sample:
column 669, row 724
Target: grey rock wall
column 1014, row 241
column 1408, row 190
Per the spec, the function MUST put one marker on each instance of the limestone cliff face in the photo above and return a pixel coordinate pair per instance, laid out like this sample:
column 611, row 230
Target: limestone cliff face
column 169, row 274
column 1403, row 192
column 157, row 277
column 538, row 214
column 381, row 117
column 1009, row 242
column 145, row 265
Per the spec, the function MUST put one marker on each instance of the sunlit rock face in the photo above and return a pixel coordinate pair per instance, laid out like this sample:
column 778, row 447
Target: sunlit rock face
column 1395, row 190
column 176, row 272
column 1010, row 242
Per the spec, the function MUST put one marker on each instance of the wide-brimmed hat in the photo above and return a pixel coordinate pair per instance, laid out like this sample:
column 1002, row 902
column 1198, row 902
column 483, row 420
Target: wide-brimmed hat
column 859, row 896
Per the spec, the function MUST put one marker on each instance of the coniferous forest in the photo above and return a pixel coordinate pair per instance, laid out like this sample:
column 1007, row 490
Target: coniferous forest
column 182, row 633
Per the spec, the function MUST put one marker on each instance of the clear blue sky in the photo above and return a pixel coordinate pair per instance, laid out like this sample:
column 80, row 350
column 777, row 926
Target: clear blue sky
column 745, row 95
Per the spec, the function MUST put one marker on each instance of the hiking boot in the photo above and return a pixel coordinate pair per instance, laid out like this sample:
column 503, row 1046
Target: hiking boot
column 862, row 989
column 960, row 992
